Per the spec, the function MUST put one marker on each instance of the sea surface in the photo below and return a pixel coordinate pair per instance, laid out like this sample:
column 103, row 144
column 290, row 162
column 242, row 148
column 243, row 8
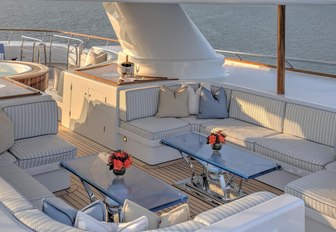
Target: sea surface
column 311, row 30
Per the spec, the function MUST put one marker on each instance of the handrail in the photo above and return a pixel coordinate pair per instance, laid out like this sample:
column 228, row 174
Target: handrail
column 60, row 32
column 239, row 54
column 78, row 48
column 41, row 43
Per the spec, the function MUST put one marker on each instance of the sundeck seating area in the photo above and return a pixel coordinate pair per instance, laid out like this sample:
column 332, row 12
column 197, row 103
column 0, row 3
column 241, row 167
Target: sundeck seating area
column 301, row 138
column 298, row 136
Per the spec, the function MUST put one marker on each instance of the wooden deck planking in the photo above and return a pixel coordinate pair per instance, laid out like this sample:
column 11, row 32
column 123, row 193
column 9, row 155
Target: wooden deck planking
column 169, row 172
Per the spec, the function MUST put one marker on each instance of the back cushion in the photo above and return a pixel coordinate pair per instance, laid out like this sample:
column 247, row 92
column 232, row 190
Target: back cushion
column 258, row 110
column 33, row 119
column 310, row 123
column 142, row 102
column 6, row 132
column 138, row 103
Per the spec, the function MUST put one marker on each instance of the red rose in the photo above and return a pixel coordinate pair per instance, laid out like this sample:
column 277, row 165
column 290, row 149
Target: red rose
column 212, row 139
column 221, row 139
column 127, row 163
column 117, row 165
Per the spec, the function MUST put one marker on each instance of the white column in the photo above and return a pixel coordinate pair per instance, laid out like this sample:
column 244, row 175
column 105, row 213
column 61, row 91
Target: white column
column 163, row 40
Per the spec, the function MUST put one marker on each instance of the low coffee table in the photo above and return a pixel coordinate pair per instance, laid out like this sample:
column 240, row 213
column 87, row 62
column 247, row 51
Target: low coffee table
column 222, row 166
column 135, row 185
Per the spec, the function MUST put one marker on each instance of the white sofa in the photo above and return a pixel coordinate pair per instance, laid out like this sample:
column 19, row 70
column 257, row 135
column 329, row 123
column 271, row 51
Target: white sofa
column 37, row 147
column 21, row 195
column 299, row 136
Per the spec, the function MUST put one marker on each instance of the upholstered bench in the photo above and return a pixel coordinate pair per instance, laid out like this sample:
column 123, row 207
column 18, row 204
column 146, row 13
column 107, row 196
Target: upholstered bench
column 35, row 146
column 318, row 191
column 251, row 117
column 307, row 142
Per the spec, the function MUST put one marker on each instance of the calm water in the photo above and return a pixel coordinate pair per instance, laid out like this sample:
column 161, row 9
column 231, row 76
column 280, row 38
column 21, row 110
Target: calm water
column 311, row 30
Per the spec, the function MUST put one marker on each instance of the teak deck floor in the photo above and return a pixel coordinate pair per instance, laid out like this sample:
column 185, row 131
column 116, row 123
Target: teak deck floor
column 169, row 172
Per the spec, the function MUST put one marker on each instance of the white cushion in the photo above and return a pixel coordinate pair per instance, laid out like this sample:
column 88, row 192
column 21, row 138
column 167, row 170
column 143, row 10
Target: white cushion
column 173, row 103
column 317, row 190
column 238, row 132
column 296, row 151
column 132, row 210
column 176, row 216
column 86, row 222
column 95, row 58
column 224, row 211
column 6, row 132
column 194, row 98
column 153, row 128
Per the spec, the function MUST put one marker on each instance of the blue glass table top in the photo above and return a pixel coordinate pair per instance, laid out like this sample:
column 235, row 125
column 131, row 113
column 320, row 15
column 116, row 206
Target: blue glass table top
column 238, row 161
column 135, row 185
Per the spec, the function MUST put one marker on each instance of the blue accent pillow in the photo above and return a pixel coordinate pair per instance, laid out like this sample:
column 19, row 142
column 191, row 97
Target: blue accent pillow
column 213, row 106
column 60, row 211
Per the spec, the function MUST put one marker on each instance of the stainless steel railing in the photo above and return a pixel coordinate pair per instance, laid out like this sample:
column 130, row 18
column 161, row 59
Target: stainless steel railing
column 40, row 45
column 289, row 60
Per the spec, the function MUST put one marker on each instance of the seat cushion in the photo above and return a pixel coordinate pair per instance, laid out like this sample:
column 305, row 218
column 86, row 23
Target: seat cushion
column 38, row 221
column 238, row 132
column 7, row 158
column 331, row 166
column 153, row 128
column 188, row 226
column 26, row 185
column 42, row 150
column 295, row 151
column 195, row 123
column 317, row 190
column 224, row 211
column 11, row 199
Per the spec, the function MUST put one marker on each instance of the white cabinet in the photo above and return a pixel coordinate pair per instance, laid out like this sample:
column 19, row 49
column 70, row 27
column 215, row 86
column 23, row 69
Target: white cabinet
column 90, row 108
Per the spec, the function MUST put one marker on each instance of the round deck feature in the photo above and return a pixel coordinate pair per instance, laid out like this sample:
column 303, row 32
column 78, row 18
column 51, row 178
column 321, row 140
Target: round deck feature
column 31, row 74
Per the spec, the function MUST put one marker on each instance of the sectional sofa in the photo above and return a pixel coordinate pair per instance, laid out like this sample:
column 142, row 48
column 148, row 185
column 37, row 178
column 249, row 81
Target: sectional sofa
column 35, row 145
column 21, row 209
column 299, row 136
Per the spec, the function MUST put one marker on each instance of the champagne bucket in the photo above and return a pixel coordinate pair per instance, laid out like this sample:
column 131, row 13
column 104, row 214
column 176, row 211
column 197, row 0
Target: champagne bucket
column 126, row 69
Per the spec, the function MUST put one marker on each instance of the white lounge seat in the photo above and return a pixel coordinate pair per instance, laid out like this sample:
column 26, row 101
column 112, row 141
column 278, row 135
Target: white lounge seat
column 318, row 191
column 238, row 132
column 224, row 211
column 153, row 128
column 30, row 188
column 295, row 151
column 42, row 150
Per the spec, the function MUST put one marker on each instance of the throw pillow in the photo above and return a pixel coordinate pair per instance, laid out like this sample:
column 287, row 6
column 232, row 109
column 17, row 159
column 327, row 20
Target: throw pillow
column 176, row 216
column 213, row 106
column 194, row 98
column 131, row 211
column 95, row 58
column 62, row 212
column 88, row 223
column 6, row 132
column 173, row 104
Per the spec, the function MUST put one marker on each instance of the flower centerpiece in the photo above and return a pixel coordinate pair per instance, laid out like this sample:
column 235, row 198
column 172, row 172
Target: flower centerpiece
column 119, row 161
column 216, row 140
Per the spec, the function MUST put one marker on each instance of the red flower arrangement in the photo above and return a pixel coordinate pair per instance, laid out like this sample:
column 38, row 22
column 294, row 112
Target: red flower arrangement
column 119, row 161
column 216, row 137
